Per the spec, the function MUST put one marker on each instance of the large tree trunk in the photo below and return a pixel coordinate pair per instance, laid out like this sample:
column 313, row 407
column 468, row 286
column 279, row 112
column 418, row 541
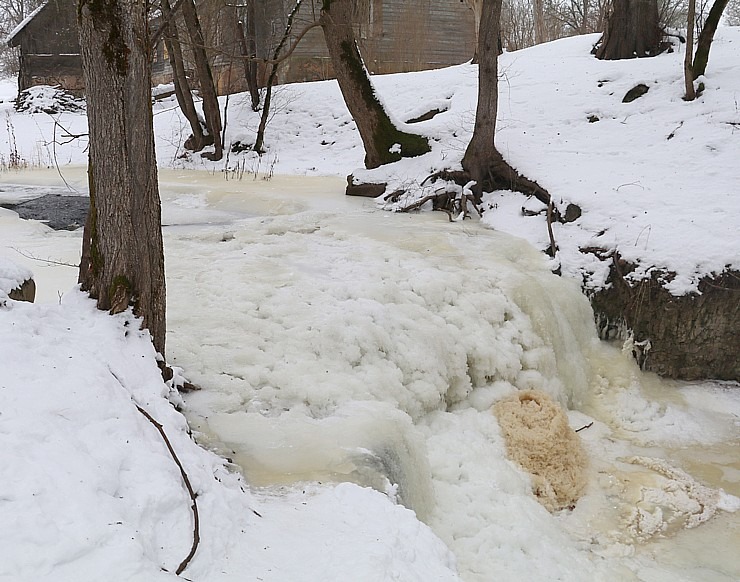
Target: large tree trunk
column 197, row 141
column 632, row 30
column 384, row 142
column 705, row 38
column 205, row 79
column 122, row 254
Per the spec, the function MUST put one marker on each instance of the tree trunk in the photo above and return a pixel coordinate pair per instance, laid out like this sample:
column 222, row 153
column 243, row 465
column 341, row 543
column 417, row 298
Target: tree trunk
column 384, row 142
column 249, row 51
column 632, row 30
column 481, row 147
column 539, row 22
column 260, row 139
column 687, row 73
column 205, row 79
column 122, row 254
column 482, row 161
column 701, row 59
column 197, row 141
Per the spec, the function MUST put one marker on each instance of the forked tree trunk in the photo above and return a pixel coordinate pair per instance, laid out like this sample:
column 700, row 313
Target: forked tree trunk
column 205, row 79
column 198, row 140
column 701, row 59
column 384, row 142
column 632, row 30
column 122, row 255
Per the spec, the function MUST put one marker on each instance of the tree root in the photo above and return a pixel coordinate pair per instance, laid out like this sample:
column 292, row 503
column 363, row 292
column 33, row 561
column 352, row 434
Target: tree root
column 498, row 175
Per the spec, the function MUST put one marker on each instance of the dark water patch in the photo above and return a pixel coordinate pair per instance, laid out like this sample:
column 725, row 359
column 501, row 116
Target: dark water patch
column 57, row 211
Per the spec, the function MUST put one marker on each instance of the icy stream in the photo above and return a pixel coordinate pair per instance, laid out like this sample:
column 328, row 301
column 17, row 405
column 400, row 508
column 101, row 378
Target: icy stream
column 333, row 342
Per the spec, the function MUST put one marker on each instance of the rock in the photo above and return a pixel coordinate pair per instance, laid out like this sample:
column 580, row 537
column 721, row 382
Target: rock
column 16, row 282
column 690, row 337
column 635, row 93
column 26, row 292
column 367, row 190
column 572, row 213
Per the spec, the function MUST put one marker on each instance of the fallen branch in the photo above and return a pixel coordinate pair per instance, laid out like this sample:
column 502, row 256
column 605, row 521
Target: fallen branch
column 589, row 425
column 194, row 507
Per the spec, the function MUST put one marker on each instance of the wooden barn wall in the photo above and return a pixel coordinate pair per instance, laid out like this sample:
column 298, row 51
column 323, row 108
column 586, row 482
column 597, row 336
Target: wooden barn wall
column 394, row 36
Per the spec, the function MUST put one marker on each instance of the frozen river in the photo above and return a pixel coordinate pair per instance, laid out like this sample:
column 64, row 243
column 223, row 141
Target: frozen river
column 333, row 341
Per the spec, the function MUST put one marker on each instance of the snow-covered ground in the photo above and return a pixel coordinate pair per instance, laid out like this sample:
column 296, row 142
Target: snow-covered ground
column 339, row 346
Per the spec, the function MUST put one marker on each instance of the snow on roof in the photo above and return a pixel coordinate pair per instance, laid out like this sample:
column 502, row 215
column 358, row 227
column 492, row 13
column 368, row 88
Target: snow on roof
column 11, row 37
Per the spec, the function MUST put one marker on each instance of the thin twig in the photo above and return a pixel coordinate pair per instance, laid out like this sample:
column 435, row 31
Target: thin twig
column 49, row 261
column 196, row 520
column 589, row 425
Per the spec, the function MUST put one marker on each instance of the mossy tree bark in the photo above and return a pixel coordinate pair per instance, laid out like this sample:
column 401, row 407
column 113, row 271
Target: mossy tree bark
column 632, row 30
column 701, row 58
column 122, row 253
column 384, row 142
column 205, row 78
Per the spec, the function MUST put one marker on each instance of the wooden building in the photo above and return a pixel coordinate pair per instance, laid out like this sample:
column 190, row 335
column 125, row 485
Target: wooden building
column 49, row 47
column 394, row 36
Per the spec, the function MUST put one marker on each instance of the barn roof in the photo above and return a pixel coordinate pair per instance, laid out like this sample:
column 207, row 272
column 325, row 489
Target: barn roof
column 11, row 40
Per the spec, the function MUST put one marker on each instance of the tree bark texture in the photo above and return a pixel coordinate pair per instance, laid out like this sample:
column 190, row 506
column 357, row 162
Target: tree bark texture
column 478, row 154
column 122, row 253
column 632, row 30
column 384, row 142
column 183, row 93
column 701, row 59
column 205, row 79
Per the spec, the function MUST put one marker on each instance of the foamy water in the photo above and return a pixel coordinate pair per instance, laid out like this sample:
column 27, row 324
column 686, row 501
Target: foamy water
column 333, row 341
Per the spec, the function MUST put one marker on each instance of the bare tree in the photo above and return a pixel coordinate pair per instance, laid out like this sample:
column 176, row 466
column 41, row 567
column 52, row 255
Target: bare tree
column 248, row 46
column 384, row 142
column 211, row 111
column 198, row 139
column 687, row 72
column 482, row 162
column 122, row 253
column 701, row 59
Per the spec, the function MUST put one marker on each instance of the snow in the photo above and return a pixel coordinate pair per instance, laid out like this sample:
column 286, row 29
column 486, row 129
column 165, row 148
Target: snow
column 348, row 357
